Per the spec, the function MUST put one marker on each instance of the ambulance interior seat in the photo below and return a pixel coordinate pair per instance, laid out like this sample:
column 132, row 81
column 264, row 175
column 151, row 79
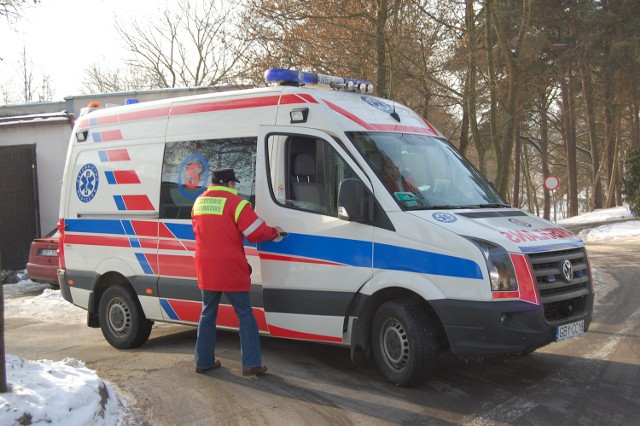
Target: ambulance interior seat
column 306, row 192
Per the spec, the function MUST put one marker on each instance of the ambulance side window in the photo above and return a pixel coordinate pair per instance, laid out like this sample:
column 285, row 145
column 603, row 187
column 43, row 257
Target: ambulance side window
column 305, row 173
column 187, row 169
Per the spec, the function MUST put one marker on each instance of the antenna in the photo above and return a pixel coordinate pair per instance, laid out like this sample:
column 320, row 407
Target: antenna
column 394, row 114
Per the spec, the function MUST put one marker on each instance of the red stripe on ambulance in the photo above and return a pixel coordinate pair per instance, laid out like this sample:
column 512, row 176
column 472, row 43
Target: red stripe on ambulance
column 177, row 266
column 137, row 202
column 97, row 240
column 283, row 258
column 292, row 334
column 126, row 176
column 118, row 155
column 190, row 311
column 262, row 101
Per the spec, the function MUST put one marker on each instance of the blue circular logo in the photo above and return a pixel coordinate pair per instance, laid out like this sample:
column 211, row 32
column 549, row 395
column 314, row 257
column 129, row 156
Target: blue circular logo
column 377, row 103
column 444, row 217
column 87, row 183
column 193, row 176
column 520, row 222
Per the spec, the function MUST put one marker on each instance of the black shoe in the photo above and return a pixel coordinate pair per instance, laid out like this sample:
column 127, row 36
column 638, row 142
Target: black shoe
column 201, row 370
column 254, row 371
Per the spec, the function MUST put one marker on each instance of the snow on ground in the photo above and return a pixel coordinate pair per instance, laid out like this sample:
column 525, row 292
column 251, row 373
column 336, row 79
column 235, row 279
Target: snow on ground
column 54, row 392
column 615, row 231
column 68, row 393
column 57, row 393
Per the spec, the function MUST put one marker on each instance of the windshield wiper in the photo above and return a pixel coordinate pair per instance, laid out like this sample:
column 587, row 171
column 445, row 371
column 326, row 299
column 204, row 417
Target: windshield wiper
column 449, row 207
column 470, row 206
column 493, row 205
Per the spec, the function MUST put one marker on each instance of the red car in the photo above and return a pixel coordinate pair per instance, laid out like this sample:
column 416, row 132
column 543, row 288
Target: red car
column 43, row 259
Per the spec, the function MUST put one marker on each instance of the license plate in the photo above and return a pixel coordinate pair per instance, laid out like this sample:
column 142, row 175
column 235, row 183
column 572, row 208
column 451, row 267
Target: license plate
column 569, row 331
column 48, row 252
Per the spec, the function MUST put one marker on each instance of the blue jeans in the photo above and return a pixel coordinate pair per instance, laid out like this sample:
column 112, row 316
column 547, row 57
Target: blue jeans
column 249, row 337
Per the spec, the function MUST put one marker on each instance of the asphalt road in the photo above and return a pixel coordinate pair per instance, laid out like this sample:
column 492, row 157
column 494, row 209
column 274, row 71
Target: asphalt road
column 590, row 380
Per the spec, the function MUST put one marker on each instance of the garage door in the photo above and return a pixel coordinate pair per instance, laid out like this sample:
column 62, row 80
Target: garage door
column 19, row 218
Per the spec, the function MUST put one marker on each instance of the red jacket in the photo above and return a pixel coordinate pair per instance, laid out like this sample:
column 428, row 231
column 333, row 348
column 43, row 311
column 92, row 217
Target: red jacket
column 220, row 219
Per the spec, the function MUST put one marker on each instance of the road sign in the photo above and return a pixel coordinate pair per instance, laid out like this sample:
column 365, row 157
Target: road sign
column 551, row 183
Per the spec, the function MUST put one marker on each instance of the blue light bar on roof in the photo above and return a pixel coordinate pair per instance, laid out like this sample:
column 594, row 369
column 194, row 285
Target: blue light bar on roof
column 299, row 78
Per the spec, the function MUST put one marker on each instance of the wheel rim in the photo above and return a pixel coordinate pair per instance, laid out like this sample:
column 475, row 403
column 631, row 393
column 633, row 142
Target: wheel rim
column 119, row 317
column 395, row 344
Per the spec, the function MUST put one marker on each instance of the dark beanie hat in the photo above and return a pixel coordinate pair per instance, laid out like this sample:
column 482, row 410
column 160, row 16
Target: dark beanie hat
column 224, row 176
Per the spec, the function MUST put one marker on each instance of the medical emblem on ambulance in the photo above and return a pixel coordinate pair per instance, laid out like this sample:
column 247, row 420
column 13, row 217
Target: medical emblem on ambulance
column 567, row 270
column 193, row 176
column 87, row 182
column 377, row 103
column 444, row 217
column 520, row 222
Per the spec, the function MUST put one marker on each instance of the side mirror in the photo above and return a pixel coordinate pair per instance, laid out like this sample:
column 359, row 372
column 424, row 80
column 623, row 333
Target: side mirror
column 353, row 201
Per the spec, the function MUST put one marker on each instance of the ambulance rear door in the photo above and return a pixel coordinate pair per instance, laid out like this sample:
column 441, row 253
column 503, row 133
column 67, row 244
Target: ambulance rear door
column 309, row 278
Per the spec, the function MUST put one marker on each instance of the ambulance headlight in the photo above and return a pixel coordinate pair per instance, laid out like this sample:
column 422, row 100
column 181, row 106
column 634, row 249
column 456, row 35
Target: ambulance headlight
column 501, row 273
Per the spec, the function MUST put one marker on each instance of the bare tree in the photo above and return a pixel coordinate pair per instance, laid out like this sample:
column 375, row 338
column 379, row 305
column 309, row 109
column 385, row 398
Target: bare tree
column 99, row 80
column 46, row 91
column 192, row 43
column 11, row 9
column 26, row 72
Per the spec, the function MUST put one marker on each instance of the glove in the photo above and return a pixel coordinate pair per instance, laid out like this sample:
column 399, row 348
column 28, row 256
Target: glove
column 281, row 234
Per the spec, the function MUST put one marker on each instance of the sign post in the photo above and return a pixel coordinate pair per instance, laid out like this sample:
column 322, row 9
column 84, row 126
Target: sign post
column 551, row 183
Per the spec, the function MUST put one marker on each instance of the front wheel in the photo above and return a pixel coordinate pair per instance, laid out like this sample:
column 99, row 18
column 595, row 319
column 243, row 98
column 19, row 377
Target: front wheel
column 405, row 343
column 122, row 320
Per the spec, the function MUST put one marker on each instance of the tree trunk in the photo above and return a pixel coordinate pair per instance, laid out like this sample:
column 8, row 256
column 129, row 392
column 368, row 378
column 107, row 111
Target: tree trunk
column 635, row 111
column 592, row 132
column 464, row 127
column 493, row 95
column 381, row 50
column 472, row 86
column 516, row 169
column 544, row 152
column 569, row 132
column 512, row 56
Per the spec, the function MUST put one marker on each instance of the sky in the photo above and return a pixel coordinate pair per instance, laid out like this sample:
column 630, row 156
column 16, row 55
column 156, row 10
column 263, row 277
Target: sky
column 66, row 392
column 62, row 38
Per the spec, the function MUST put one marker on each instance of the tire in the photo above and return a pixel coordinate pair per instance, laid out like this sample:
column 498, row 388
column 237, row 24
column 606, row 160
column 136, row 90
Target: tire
column 122, row 320
column 405, row 342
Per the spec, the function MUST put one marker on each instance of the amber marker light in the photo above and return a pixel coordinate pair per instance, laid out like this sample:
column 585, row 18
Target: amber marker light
column 149, row 291
column 71, row 282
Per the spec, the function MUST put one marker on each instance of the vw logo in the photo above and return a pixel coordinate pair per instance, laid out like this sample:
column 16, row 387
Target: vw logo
column 567, row 270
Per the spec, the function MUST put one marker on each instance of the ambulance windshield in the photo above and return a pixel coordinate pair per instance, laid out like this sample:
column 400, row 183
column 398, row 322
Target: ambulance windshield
column 424, row 172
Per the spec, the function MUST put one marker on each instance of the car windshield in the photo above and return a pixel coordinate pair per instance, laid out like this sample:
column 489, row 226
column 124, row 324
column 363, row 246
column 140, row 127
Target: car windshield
column 425, row 172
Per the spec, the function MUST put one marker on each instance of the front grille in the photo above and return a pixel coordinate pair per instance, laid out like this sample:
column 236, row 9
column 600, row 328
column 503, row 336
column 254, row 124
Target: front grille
column 561, row 299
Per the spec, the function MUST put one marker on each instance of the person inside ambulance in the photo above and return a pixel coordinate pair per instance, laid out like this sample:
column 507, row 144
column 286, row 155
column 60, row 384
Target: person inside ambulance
column 396, row 180
column 221, row 221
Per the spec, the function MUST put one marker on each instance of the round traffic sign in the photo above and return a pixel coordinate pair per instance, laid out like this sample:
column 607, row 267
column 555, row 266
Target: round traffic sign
column 551, row 183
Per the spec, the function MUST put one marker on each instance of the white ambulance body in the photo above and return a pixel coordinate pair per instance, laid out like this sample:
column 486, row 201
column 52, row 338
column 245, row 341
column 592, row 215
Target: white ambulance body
column 397, row 247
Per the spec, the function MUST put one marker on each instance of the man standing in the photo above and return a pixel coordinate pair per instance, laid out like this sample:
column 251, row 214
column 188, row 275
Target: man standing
column 221, row 218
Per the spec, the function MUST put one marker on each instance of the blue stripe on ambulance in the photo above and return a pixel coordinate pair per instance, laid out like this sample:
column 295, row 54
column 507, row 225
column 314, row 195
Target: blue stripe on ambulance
column 99, row 226
column 181, row 231
column 146, row 268
column 405, row 259
column 339, row 250
column 168, row 309
column 359, row 253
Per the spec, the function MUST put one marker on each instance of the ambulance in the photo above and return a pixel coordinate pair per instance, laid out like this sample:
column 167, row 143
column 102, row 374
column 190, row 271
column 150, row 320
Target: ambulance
column 397, row 247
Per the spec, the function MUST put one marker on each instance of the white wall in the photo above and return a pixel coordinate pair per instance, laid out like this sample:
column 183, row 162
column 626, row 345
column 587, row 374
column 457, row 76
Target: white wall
column 51, row 138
